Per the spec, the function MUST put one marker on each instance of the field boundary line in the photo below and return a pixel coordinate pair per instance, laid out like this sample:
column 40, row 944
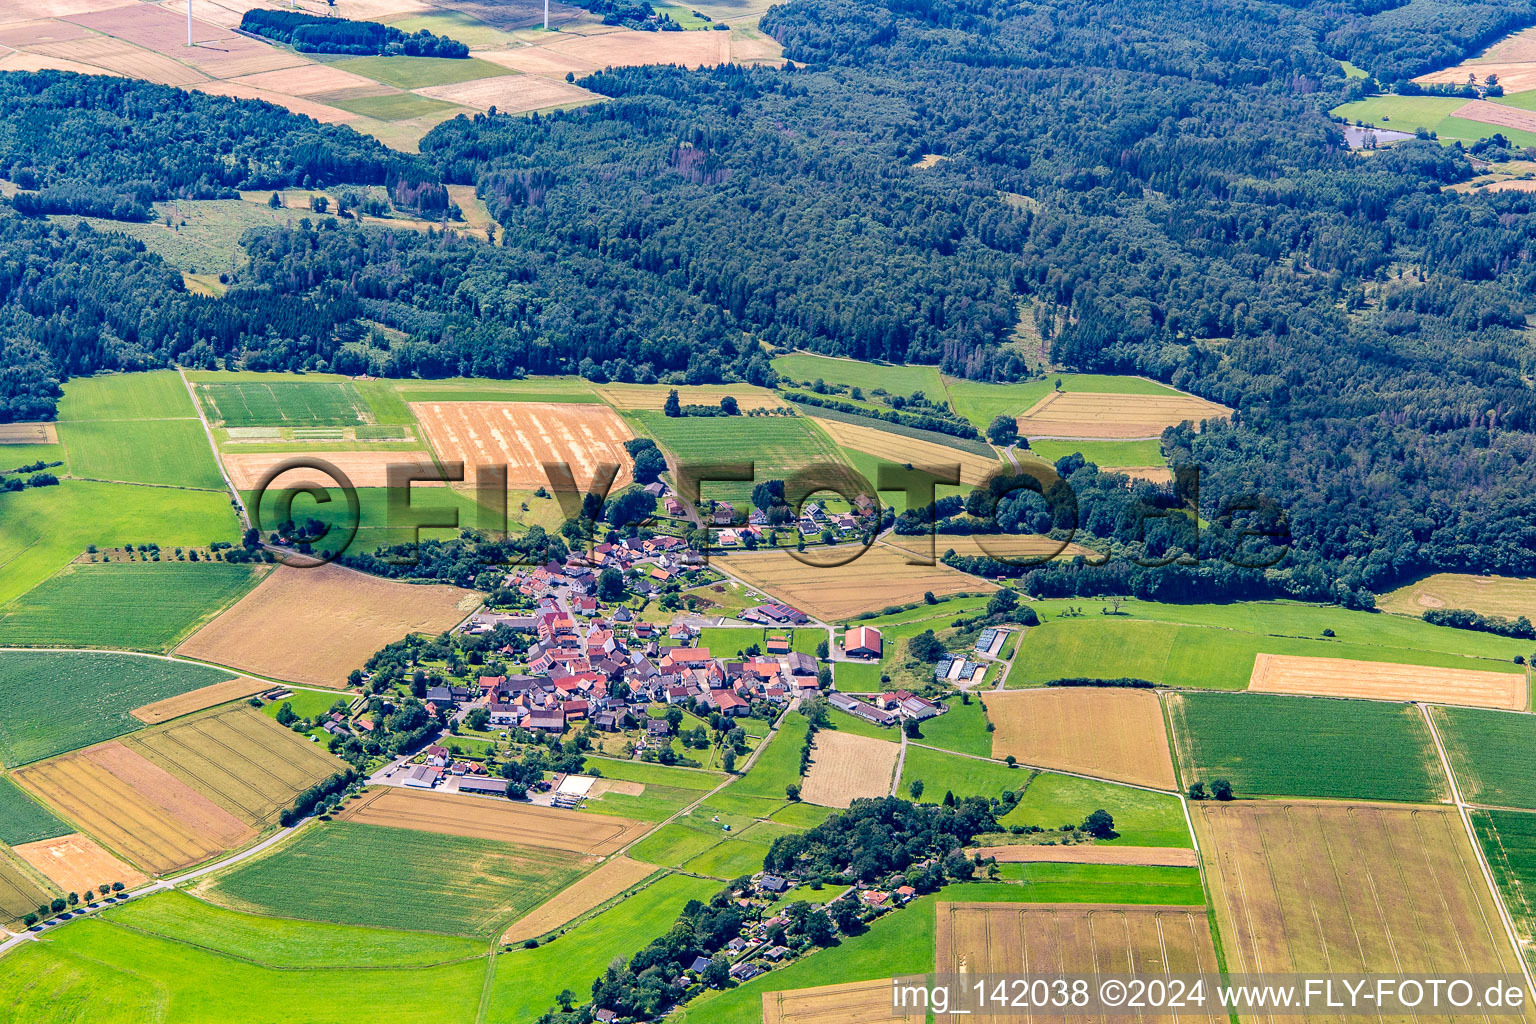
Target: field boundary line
column 1477, row 851
column 202, row 417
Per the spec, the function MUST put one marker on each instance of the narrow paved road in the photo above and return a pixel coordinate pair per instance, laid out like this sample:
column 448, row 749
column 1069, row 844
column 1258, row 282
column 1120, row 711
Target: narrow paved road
column 1477, row 850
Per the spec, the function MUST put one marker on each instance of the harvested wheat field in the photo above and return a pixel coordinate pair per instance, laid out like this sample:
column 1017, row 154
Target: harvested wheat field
column 319, row 111
column 512, row 94
column 197, row 700
column 845, row 766
column 1001, row 938
column 1087, row 415
column 1349, row 888
column 590, row 892
column 1108, row 732
column 317, row 625
column 854, row 1002
column 123, row 58
column 32, row 10
column 1151, row 474
column 876, row 579
column 1380, row 680
column 241, row 759
column 1509, row 596
column 1090, row 853
column 76, row 863
column 1512, row 58
column 28, row 33
column 619, row 47
column 28, row 433
column 362, row 469
column 219, row 52
column 1497, row 113
column 482, row 818
column 525, row 435
column 1016, row 548
column 135, row 808
column 653, row 398
column 901, row 450
column 20, row 893
column 20, row 60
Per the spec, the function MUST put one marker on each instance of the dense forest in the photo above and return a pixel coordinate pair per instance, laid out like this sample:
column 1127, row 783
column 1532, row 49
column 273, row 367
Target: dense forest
column 1157, row 181
column 311, row 33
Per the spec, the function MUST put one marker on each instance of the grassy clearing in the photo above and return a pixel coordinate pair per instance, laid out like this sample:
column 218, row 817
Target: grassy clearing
column 457, row 885
column 23, row 820
column 1303, row 746
column 672, row 845
column 419, row 72
column 305, row 703
column 1431, row 113
column 98, row 972
column 1107, row 883
column 981, row 403
column 142, row 606
column 841, row 721
column 203, row 237
column 897, row 379
column 528, row 980
column 42, row 529
column 777, row 766
column 853, row 677
column 280, row 942
column 942, row 773
column 1493, row 754
column 56, row 701
column 731, row 859
column 1142, row 817
column 725, row 641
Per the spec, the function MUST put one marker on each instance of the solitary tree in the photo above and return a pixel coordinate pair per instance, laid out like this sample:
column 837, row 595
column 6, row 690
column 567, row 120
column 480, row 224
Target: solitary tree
column 792, row 791
column 916, row 789
column 1221, row 789
column 1004, row 431
column 673, row 406
column 1197, row 791
column 729, row 407
column 1100, row 825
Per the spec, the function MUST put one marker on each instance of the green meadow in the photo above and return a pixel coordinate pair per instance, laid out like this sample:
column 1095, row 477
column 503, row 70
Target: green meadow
column 777, row 446
column 56, row 701
column 136, row 428
column 527, row 981
column 1213, row 646
column 1104, row 454
column 97, row 972
column 423, row 881
column 981, row 402
column 898, row 380
column 285, row 403
column 146, row 606
column 42, row 529
column 962, row 728
column 1142, row 817
column 418, row 72
column 1272, row 745
column 1493, row 754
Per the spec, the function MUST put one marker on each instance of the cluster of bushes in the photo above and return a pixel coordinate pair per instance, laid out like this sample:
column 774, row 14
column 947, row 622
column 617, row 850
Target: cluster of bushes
column 311, row 33
column 1120, row 681
column 1462, row 618
column 313, row 797
column 17, row 483
column 648, row 460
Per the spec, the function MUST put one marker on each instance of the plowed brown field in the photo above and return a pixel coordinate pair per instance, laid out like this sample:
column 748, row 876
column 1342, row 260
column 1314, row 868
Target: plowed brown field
column 76, row 863
column 845, row 766
column 1085, row 414
column 1380, row 680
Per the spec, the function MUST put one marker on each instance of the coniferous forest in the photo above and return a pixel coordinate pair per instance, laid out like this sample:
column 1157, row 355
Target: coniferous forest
column 1159, row 181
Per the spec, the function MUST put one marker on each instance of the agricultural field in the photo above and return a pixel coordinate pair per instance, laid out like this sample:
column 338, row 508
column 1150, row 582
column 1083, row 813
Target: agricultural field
column 942, row 772
column 777, row 446
column 1306, row 746
column 675, row 843
column 1334, row 677
column 1352, row 888
column 898, row 451
column 199, row 699
column 240, row 759
column 120, row 428
column 1092, row 853
column 1215, row 655
column 418, row 72
column 22, row 819
column 284, row 403
column 1080, row 414
column 612, row 878
column 1142, row 817
column 663, row 792
column 44, row 529
column 377, row 527
column 20, row 894
column 285, row 943
column 736, row 856
column 526, row 981
column 1122, row 456
column 653, row 397
column 317, row 625
column 867, row 1002
column 459, row 885
column 1110, row 733
column 963, row 728
column 594, row 835
column 985, row 938
column 100, row 972
column 1013, row 548
column 145, row 606
column 846, row 766
column 982, row 402
column 760, row 791
column 363, row 469
column 523, row 436
column 75, row 863
column 1442, row 115
column 1508, row 840
column 1492, row 754
column 1508, row 596
column 88, row 697
column 135, row 808
column 854, row 677
column 878, row 578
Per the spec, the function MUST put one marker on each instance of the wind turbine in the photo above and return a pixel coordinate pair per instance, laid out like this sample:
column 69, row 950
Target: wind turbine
column 189, row 22
column 546, row 14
